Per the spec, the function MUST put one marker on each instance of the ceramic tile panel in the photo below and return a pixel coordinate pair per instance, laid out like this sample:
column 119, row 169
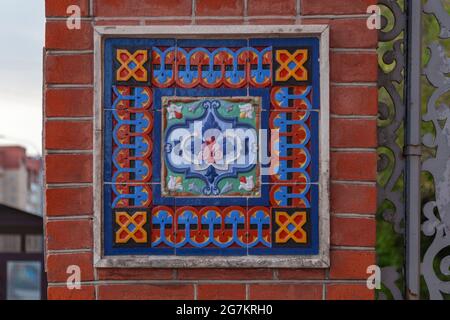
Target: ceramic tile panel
column 211, row 147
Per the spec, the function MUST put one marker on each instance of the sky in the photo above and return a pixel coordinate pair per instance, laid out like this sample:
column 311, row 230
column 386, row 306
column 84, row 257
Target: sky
column 21, row 42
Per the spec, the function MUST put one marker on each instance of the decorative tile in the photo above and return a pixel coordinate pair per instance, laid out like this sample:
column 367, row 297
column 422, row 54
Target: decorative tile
column 203, row 152
column 291, row 65
column 291, row 226
column 132, row 65
column 296, row 145
column 163, row 223
column 129, row 195
column 211, row 147
column 292, row 97
column 290, row 195
column 128, row 141
column 131, row 227
column 213, row 230
column 222, row 63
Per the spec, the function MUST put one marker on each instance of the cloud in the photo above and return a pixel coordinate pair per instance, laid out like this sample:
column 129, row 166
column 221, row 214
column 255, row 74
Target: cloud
column 21, row 80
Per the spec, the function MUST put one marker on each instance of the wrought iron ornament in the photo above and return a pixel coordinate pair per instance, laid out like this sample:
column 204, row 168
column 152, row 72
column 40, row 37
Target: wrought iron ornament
column 437, row 211
column 391, row 165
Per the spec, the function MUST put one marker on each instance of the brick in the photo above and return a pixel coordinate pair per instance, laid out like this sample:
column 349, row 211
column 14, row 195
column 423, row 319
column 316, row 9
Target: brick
column 350, row 264
column 353, row 67
column 146, row 292
column 58, row 8
column 69, row 201
column 272, row 21
column 270, row 8
column 352, row 33
column 348, row 33
column 142, row 8
column 68, row 168
column 354, row 100
column 221, row 292
column 219, row 21
column 360, row 166
column 219, row 8
column 285, row 292
column 352, row 198
column 301, row 274
column 68, row 102
column 69, row 69
column 353, row 133
column 134, row 274
column 349, row 292
column 178, row 22
column 57, row 265
column 357, row 232
column 224, row 274
column 315, row 7
column 59, row 37
column 68, row 135
column 69, row 234
column 63, row 293
column 112, row 22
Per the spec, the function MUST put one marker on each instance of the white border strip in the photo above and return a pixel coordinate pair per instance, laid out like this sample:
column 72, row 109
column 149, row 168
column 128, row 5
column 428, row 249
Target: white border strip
column 320, row 260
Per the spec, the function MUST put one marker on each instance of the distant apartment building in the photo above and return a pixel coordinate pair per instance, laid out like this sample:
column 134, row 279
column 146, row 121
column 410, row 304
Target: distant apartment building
column 20, row 180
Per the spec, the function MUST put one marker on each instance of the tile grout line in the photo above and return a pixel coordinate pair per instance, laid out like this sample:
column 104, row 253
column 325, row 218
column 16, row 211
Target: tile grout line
column 195, row 291
column 356, row 50
column 68, row 152
column 354, row 216
column 174, row 18
column 91, row 8
column 275, row 274
column 246, row 19
column 197, row 282
column 324, row 291
column 67, row 251
column 61, row 52
column 68, row 185
column 350, row 149
column 357, row 117
column 353, row 84
column 86, row 217
column 53, row 52
column 353, row 248
column 68, row 86
column 354, row 182
column 81, row 119
column 298, row 12
column 193, row 15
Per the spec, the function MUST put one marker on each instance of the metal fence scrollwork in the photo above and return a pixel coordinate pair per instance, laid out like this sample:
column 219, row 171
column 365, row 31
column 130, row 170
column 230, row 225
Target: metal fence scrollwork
column 397, row 57
column 391, row 165
column 436, row 225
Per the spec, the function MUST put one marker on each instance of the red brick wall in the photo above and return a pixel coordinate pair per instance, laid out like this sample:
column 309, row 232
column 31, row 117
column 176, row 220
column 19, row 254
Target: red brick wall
column 68, row 144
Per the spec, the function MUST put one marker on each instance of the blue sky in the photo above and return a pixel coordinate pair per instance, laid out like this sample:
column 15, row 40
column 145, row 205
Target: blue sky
column 21, row 42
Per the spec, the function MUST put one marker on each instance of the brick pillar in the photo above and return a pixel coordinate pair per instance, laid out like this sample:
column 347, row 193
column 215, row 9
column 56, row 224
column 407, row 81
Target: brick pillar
column 68, row 140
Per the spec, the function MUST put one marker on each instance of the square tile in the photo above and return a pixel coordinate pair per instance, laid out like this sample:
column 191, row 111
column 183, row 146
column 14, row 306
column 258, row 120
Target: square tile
column 211, row 230
column 295, row 146
column 210, row 147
